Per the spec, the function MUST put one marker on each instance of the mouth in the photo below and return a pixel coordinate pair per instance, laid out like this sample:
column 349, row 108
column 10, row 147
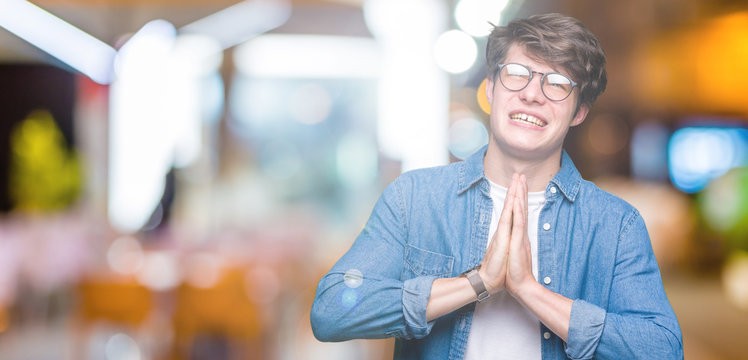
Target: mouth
column 528, row 119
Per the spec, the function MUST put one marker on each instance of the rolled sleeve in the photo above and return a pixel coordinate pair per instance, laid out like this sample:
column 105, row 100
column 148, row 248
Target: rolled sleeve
column 585, row 329
column 415, row 298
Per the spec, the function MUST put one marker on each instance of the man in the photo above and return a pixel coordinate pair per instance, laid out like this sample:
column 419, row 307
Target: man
column 509, row 254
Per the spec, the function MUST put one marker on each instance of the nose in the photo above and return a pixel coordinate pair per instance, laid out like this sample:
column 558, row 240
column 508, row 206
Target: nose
column 533, row 92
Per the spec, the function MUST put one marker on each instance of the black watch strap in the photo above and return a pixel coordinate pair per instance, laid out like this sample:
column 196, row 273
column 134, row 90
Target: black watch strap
column 477, row 283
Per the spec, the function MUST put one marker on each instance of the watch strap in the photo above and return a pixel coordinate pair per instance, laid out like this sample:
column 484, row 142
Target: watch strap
column 477, row 283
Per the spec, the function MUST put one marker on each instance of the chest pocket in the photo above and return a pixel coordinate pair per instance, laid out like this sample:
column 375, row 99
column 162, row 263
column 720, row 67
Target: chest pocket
column 420, row 262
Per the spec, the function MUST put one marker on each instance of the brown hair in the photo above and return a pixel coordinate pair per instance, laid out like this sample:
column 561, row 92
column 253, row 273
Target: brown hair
column 558, row 40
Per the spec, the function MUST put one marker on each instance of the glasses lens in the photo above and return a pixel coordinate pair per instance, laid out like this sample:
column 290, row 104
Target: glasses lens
column 556, row 86
column 514, row 76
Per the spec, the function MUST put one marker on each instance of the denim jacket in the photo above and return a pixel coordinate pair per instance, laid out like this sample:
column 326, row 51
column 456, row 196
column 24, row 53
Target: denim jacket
column 429, row 223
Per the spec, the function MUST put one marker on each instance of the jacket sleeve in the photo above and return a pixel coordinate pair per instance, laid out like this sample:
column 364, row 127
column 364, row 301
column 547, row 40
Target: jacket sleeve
column 639, row 322
column 362, row 296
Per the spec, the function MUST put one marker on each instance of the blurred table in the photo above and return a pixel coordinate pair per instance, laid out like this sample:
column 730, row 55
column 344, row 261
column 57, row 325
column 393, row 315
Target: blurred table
column 713, row 329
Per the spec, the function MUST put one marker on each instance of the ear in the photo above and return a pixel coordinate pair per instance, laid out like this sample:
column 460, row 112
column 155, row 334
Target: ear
column 580, row 115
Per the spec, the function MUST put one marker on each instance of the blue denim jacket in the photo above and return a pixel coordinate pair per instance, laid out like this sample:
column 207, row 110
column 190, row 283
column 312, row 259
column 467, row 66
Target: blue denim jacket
column 432, row 223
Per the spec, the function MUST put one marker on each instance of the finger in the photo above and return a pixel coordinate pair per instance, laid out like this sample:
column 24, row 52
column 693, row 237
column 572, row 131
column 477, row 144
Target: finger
column 505, row 220
column 519, row 224
column 521, row 196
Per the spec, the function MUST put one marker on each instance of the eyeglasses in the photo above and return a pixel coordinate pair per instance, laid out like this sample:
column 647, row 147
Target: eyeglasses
column 555, row 86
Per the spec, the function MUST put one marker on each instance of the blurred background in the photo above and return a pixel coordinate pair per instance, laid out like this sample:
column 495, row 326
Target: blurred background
column 176, row 176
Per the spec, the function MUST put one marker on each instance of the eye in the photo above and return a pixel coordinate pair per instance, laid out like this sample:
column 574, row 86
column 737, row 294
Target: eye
column 558, row 80
column 517, row 70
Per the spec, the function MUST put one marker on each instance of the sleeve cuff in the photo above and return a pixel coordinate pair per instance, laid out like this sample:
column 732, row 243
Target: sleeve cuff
column 585, row 329
column 415, row 297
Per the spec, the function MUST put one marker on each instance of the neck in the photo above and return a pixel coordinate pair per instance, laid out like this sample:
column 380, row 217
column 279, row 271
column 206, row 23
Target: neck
column 500, row 167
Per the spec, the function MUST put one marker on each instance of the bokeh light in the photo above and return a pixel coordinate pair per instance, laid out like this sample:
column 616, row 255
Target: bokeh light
column 159, row 271
column 476, row 17
column 348, row 298
column 263, row 284
column 455, row 51
column 203, row 269
column 699, row 154
column 310, row 103
column 466, row 136
column 353, row 278
column 724, row 204
column 122, row 347
column 125, row 255
column 482, row 98
column 734, row 275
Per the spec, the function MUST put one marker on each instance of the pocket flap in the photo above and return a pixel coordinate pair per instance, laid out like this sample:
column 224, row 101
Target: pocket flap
column 424, row 262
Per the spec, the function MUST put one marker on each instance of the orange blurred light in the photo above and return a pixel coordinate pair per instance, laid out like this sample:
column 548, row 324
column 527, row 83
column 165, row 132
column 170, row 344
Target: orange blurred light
column 4, row 322
column 701, row 68
column 482, row 98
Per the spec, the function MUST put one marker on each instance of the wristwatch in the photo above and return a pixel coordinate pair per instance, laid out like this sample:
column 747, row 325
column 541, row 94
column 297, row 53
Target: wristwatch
column 477, row 283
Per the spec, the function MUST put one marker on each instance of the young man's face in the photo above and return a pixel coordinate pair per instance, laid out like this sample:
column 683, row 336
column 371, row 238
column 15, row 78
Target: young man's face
column 541, row 133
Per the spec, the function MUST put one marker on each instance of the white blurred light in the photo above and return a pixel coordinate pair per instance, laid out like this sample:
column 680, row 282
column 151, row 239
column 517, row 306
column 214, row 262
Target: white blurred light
column 122, row 347
column 357, row 160
column 125, row 255
column 394, row 19
column 308, row 56
column 455, row 51
column 466, row 136
column 735, row 279
column 413, row 92
column 158, row 105
column 193, row 59
column 476, row 16
column 159, row 271
column 141, row 138
column 152, row 43
column 353, row 278
column 310, row 104
column 196, row 55
column 241, row 21
column 58, row 38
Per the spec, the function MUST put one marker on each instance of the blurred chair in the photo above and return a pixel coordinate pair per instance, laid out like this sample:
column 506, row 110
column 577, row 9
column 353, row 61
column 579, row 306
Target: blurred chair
column 217, row 322
column 120, row 301
column 114, row 302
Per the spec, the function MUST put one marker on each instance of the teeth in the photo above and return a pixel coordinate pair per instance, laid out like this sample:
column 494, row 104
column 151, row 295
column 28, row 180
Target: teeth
column 528, row 119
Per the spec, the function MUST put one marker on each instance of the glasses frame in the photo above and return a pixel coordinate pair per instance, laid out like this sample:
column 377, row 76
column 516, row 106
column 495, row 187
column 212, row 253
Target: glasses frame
column 542, row 80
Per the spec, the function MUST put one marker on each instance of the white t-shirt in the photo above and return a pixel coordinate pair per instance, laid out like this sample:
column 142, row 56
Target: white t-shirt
column 502, row 328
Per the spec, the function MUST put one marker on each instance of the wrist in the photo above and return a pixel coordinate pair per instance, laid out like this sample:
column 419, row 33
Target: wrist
column 526, row 291
column 490, row 287
column 475, row 278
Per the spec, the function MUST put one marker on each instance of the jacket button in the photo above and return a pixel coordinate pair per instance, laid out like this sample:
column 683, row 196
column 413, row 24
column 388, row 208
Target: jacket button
column 546, row 335
column 546, row 226
column 553, row 189
column 547, row 280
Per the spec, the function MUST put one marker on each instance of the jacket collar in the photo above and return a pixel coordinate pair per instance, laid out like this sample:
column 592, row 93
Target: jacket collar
column 471, row 170
column 568, row 179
